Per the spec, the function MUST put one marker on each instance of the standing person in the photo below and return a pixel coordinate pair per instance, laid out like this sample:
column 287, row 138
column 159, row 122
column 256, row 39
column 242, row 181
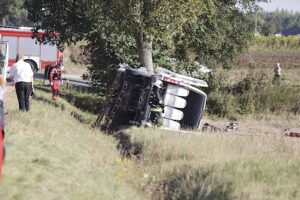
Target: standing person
column 156, row 105
column 22, row 74
column 54, row 78
column 277, row 73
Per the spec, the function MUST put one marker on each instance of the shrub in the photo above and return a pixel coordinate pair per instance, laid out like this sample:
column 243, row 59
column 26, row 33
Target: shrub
column 222, row 104
column 253, row 94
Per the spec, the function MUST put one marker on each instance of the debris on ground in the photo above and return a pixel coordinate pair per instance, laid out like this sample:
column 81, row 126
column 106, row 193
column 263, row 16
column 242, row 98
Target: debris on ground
column 210, row 127
column 231, row 126
column 289, row 133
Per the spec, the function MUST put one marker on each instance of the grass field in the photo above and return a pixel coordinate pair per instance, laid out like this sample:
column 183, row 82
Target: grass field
column 53, row 155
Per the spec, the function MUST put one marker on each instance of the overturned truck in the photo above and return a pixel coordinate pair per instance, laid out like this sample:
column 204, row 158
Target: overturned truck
column 131, row 96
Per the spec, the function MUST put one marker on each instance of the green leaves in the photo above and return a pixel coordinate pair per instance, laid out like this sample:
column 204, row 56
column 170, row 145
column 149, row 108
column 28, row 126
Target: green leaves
column 210, row 31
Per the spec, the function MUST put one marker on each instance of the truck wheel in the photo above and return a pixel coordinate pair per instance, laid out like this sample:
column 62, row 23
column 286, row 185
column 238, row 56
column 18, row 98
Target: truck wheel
column 33, row 65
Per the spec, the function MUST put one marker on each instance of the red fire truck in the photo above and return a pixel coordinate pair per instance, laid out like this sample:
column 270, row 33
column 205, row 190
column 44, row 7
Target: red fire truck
column 20, row 40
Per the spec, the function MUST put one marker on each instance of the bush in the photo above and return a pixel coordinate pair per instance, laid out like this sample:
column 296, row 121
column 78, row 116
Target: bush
column 222, row 104
column 253, row 94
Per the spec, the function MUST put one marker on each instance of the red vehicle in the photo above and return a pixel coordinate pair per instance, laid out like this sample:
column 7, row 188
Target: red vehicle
column 20, row 40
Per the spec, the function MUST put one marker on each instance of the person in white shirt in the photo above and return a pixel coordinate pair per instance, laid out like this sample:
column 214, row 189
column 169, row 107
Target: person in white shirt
column 277, row 70
column 277, row 74
column 22, row 74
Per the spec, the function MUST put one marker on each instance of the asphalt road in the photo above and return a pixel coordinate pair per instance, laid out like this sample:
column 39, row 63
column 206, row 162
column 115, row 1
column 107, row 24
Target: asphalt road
column 68, row 79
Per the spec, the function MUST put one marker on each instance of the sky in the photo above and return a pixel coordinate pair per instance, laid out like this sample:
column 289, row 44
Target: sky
column 290, row 5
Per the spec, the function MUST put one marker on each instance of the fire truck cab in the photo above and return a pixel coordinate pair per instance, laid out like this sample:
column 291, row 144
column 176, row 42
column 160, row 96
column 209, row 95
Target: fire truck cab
column 21, row 40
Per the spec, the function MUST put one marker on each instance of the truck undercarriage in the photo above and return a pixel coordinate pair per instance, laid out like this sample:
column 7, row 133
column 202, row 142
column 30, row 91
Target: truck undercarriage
column 130, row 100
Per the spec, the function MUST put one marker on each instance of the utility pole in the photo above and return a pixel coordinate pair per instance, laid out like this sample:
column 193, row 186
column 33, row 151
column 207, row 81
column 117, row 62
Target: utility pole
column 255, row 31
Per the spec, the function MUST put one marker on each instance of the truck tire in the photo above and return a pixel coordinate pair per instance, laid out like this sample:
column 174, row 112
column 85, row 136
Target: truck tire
column 33, row 65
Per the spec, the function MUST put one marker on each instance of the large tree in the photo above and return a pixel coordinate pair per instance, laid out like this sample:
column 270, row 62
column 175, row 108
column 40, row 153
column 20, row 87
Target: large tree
column 143, row 20
column 12, row 13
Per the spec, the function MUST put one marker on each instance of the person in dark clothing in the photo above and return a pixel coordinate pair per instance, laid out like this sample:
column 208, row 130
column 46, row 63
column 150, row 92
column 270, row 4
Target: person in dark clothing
column 156, row 105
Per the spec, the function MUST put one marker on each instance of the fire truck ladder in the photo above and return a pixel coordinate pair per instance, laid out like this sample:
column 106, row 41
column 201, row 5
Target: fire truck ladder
column 117, row 104
column 107, row 100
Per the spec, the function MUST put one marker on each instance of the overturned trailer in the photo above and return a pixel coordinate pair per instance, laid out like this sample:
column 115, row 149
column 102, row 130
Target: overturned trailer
column 127, row 102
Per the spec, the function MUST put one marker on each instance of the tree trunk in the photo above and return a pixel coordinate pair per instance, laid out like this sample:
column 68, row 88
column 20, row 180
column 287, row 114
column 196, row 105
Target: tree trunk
column 144, row 47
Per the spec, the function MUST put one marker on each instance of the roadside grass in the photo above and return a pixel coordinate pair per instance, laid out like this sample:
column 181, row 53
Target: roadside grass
column 51, row 155
column 260, row 165
column 83, row 100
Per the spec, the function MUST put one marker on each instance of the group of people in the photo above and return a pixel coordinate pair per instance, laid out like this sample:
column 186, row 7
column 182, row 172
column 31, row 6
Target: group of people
column 22, row 74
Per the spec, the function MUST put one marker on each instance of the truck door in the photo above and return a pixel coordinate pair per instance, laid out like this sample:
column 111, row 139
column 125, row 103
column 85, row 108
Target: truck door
column 3, row 59
column 3, row 68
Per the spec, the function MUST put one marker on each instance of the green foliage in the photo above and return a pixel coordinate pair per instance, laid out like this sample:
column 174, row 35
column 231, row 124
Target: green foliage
column 275, row 22
column 222, row 105
column 217, row 34
column 106, row 55
column 135, row 31
column 215, row 83
column 253, row 94
column 13, row 13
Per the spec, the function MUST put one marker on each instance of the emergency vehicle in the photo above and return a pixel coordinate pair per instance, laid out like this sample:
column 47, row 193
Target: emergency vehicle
column 128, row 101
column 21, row 40
column 4, row 49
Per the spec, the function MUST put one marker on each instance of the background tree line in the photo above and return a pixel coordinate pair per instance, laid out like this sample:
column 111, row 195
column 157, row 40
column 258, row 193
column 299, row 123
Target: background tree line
column 270, row 23
column 13, row 13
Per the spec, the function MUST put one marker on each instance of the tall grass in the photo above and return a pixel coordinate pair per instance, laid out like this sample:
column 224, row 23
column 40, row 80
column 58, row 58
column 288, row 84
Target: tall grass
column 217, row 166
column 253, row 94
